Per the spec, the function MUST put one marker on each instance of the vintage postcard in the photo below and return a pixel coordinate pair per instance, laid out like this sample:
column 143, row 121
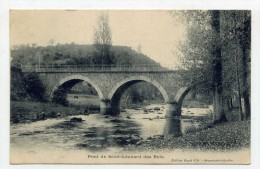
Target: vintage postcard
column 130, row 86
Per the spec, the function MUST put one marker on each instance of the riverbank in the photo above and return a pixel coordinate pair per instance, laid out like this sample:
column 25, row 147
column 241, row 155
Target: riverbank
column 25, row 112
column 220, row 137
column 185, row 104
column 29, row 111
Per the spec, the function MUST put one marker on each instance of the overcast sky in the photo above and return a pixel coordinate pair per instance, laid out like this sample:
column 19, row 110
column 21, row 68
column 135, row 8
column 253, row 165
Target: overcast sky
column 155, row 31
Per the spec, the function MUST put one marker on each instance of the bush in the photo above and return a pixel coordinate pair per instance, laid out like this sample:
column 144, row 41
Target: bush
column 34, row 86
column 60, row 96
column 18, row 91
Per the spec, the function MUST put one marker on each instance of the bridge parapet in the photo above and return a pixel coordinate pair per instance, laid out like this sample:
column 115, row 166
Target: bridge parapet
column 96, row 68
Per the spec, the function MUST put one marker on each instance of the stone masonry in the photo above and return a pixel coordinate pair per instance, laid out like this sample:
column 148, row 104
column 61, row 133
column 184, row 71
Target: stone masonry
column 107, row 84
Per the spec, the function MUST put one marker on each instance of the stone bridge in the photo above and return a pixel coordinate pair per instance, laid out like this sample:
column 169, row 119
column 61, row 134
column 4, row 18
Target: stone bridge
column 110, row 85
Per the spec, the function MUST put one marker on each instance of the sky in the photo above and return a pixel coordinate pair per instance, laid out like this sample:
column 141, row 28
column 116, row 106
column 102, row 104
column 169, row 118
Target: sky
column 155, row 31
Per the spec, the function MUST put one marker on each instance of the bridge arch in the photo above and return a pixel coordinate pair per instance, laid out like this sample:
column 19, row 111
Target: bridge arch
column 182, row 92
column 115, row 94
column 74, row 79
column 127, row 82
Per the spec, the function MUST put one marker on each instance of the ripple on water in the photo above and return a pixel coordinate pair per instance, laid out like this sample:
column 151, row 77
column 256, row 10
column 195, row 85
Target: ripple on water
column 98, row 132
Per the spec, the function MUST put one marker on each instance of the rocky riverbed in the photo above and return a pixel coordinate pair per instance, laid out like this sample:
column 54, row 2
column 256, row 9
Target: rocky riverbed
column 221, row 137
column 96, row 132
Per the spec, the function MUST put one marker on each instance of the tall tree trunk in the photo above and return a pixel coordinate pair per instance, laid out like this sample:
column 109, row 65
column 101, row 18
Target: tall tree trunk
column 237, row 66
column 219, row 115
column 245, row 83
column 231, row 103
column 238, row 88
column 246, row 46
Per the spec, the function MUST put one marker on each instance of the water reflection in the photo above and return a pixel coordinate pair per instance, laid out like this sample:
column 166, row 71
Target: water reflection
column 98, row 132
column 172, row 127
column 121, row 132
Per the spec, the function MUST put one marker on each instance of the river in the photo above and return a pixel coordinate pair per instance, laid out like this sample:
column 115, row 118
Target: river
column 104, row 133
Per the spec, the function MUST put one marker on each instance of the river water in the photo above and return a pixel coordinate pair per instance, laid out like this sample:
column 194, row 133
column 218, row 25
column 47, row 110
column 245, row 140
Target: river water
column 98, row 132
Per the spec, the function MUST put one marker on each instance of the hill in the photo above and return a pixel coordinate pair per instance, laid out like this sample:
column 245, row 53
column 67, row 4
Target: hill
column 74, row 54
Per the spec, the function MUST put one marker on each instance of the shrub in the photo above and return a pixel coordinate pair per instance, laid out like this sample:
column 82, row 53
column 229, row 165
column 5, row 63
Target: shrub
column 60, row 96
column 18, row 91
column 34, row 86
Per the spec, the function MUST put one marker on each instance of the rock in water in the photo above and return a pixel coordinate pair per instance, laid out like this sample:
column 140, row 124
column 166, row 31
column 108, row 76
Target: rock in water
column 76, row 119
column 157, row 108
column 139, row 142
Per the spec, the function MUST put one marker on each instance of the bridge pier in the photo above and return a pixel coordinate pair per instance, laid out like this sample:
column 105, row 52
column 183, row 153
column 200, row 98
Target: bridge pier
column 105, row 106
column 172, row 109
column 172, row 127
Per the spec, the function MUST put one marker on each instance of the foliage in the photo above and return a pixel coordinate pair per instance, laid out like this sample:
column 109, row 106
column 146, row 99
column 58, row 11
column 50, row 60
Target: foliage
column 18, row 91
column 83, row 87
column 195, row 57
column 26, row 86
column 102, row 35
column 103, row 40
column 34, row 86
column 141, row 92
column 60, row 96
column 197, row 50
column 24, row 111
column 215, row 50
column 236, row 54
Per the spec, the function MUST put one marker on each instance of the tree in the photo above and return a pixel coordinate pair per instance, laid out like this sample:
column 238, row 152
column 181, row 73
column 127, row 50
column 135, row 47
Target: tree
column 245, row 42
column 217, row 68
column 103, row 39
column 38, row 56
column 217, row 52
column 237, row 46
column 51, row 42
column 196, row 50
column 201, row 55
column 139, row 49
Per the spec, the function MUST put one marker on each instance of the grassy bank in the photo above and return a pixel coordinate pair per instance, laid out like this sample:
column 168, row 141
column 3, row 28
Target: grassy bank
column 226, row 136
column 22, row 112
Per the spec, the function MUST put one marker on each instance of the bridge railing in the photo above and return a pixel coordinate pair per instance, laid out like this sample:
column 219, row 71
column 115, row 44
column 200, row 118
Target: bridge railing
column 95, row 68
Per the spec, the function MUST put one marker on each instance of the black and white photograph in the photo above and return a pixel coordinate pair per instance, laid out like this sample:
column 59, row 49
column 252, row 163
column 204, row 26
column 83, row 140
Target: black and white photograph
column 130, row 86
